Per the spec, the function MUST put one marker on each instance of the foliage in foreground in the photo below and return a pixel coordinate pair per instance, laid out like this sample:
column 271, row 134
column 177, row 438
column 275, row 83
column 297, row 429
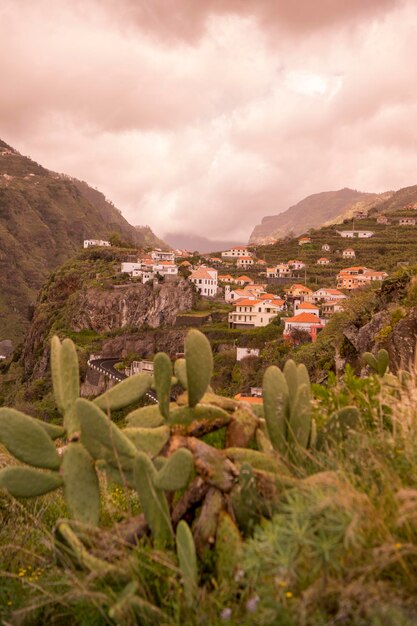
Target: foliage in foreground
column 204, row 511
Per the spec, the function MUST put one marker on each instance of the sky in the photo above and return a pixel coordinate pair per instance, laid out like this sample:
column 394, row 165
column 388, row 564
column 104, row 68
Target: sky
column 203, row 116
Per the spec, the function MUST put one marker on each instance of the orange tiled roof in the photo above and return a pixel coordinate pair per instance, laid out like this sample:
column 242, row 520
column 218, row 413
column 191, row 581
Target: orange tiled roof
column 308, row 305
column 304, row 318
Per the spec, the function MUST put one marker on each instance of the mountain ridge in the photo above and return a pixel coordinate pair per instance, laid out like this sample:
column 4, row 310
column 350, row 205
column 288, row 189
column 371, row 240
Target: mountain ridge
column 319, row 209
column 44, row 218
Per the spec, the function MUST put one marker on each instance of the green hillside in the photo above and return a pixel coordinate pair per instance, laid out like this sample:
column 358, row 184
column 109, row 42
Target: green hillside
column 314, row 211
column 44, row 218
column 391, row 245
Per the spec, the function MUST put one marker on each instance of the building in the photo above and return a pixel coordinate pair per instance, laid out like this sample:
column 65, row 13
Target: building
column 245, row 261
column 361, row 214
column 162, row 255
column 244, row 353
column 349, row 253
column 358, row 234
column 134, row 269
column 325, row 247
column 306, row 307
column 88, row 243
column 304, row 240
column 279, row 271
column 250, row 313
column 251, row 292
column 331, row 307
column 139, row 367
column 307, row 322
column 244, row 280
column 236, row 252
column 165, row 268
column 327, row 294
column 354, row 277
column 382, row 219
column 226, row 278
column 296, row 265
column 407, row 221
column 205, row 281
column 299, row 291
column 323, row 261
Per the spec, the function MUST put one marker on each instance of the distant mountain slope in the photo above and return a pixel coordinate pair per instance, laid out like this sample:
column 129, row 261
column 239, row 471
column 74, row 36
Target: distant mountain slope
column 44, row 218
column 312, row 212
column 398, row 199
column 195, row 242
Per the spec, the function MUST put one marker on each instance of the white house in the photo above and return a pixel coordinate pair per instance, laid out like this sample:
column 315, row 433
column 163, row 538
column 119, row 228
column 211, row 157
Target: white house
column 327, row 294
column 323, row 261
column 254, row 313
column 306, row 307
column 245, row 261
column 162, row 255
column 352, row 234
column 296, row 265
column 280, row 270
column 236, row 252
column 349, row 253
column 307, row 322
column 304, row 240
column 131, row 268
column 139, row 367
column 382, row 219
column 407, row 221
column 243, row 353
column 330, row 308
column 251, row 292
column 96, row 242
column 205, row 280
column 165, row 268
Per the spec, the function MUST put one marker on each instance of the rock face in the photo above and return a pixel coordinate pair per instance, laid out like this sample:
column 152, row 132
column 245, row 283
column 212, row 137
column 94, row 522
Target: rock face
column 127, row 306
column 146, row 343
column 400, row 343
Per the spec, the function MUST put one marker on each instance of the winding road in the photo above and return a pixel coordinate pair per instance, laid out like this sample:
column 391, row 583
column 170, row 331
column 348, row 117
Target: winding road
column 106, row 367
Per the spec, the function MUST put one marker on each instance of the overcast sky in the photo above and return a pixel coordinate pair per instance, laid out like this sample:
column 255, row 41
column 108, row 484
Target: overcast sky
column 203, row 116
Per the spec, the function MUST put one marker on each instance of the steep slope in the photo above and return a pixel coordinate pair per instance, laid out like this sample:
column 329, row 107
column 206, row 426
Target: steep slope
column 314, row 211
column 44, row 218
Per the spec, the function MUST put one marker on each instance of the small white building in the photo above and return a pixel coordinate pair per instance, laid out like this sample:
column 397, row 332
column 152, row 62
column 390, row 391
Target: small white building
column 243, row 353
column 331, row 307
column 358, row 234
column 88, row 243
column 382, row 219
column 162, row 255
column 407, row 221
column 323, row 261
column 205, row 281
column 349, row 253
column 245, row 261
column 131, row 268
column 306, row 307
column 304, row 240
column 296, row 265
column 165, row 268
column 139, row 367
column 327, row 294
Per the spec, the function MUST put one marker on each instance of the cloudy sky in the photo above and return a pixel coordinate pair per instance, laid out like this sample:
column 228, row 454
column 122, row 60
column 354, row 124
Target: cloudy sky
column 203, row 116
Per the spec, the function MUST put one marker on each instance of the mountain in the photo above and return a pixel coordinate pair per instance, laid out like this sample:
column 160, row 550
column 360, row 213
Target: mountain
column 150, row 239
column 44, row 218
column 194, row 242
column 317, row 210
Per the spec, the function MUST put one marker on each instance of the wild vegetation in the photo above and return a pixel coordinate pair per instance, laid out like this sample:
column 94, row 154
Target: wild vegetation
column 204, row 511
column 44, row 218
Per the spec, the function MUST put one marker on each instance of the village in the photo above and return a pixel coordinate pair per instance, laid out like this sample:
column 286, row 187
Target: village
column 262, row 292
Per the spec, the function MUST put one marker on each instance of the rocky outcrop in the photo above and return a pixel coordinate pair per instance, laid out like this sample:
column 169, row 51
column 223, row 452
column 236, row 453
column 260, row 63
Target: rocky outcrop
column 400, row 342
column 128, row 306
column 146, row 343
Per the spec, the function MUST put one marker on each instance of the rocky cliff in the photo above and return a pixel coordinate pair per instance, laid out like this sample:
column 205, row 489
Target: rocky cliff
column 132, row 305
column 77, row 303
